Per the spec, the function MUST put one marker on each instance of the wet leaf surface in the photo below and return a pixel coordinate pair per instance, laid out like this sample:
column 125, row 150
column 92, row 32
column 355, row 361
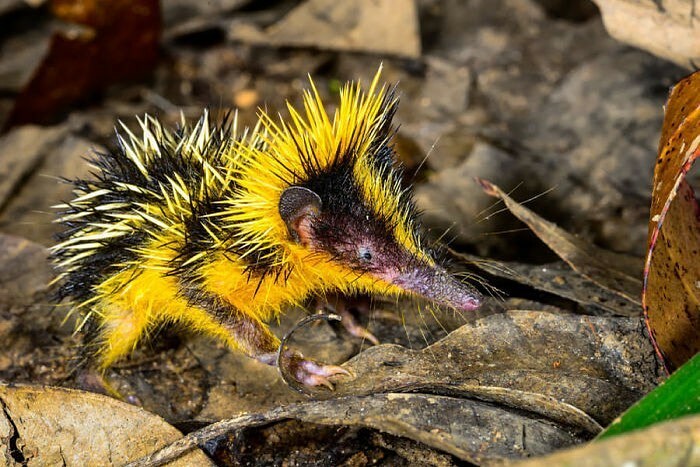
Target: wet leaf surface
column 674, row 398
column 672, row 272
column 671, row 444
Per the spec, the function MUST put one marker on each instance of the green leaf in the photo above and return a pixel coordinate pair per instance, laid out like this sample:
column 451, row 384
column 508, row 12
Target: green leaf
column 679, row 395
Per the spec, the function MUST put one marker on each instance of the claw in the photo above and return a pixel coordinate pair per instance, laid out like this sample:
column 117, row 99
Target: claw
column 339, row 305
column 309, row 372
column 97, row 382
column 356, row 329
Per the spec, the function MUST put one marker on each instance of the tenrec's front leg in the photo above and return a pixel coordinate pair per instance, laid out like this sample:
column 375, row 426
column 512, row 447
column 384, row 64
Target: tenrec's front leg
column 254, row 338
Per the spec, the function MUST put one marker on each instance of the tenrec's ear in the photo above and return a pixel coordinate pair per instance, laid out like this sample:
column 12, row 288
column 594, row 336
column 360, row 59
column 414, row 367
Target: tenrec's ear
column 296, row 204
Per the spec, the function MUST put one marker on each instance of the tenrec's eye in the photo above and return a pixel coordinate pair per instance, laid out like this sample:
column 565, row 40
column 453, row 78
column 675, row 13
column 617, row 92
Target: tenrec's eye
column 364, row 254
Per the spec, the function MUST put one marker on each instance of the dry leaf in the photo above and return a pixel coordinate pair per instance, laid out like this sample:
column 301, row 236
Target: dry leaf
column 560, row 280
column 671, row 295
column 598, row 365
column 471, row 430
column 615, row 272
column 345, row 26
column 58, row 426
column 666, row 29
column 508, row 385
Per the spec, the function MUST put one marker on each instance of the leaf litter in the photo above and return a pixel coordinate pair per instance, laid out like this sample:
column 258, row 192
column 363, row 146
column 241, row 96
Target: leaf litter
column 524, row 365
column 573, row 371
column 555, row 377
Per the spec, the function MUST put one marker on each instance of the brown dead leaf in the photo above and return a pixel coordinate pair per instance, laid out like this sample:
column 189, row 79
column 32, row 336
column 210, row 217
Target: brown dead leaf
column 58, row 426
column 345, row 26
column 673, row 443
column 613, row 271
column 597, row 365
column 560, row 280
column 507, row 386
column 667, row 29
column 109, row 42
column 671, row 295
column 471, row 430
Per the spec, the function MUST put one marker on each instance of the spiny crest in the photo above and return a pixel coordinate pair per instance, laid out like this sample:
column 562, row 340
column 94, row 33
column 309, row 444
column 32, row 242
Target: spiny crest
column 192, row 144
column 357, row 137
column 117, row 191
column 148, row 192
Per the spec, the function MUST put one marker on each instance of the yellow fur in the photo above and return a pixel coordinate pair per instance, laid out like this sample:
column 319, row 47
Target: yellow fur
column 262, row 170
column 263, row 163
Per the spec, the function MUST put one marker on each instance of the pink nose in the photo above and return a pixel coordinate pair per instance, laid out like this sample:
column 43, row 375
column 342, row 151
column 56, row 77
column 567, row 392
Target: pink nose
column 435, row 284
column 471, row 303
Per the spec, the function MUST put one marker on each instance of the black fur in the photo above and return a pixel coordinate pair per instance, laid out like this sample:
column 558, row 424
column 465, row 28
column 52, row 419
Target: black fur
column 345, row 222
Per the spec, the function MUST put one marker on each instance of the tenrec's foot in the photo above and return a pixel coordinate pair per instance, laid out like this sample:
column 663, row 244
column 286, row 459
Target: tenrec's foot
column 353, row 326
column 339, row 305
column 309, row 372
column 94, row 381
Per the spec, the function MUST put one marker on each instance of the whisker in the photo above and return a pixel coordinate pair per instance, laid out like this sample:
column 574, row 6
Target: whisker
column 522, row 203
column 495, row 203
column 432, row 308
column 425, row 337
column 439, row 239
column 427, row 154
column 403, row 323
column 504, row 268
column 501, row 232
column 533, row 198
column 489, row 288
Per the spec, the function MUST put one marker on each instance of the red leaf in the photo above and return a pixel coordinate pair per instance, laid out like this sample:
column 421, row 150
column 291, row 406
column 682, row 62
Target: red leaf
column 118, row 41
